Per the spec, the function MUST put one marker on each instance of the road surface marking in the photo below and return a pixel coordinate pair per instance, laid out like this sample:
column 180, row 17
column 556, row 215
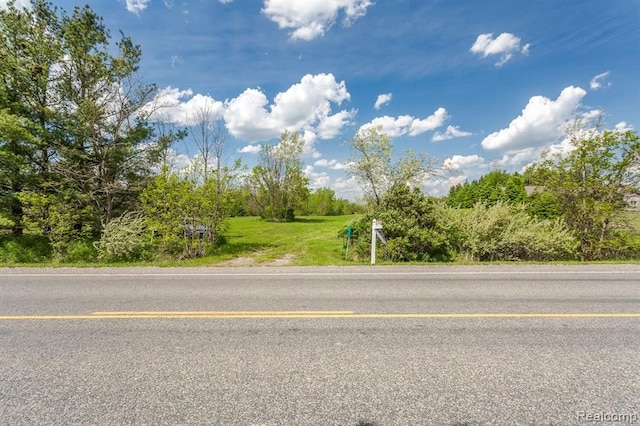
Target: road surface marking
column 183, row 313
column 307, row 315
column 371, row 272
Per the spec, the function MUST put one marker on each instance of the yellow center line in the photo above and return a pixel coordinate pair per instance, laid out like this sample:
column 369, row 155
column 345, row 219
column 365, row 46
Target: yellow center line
column 307, row 315
column 268, row 313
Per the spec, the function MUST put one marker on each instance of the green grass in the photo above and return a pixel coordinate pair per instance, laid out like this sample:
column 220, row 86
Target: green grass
column 311, row 240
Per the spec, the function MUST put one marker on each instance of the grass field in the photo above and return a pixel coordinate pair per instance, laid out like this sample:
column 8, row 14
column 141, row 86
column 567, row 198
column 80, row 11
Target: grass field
column 312, row 240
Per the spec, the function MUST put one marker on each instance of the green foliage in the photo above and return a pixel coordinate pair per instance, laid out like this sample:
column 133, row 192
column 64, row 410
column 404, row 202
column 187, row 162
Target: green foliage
column 277, row 185
column 590, row 185
column 496, row 186
column 25, row 249
column 543, row 205
column 186, row 219
column 323, row 202
column 81, row 251
column 507, row 232
column 125, row 238
column 411, row 228
column 63, row 218
column 5, row 222
column 73, row 115
column 372, row 164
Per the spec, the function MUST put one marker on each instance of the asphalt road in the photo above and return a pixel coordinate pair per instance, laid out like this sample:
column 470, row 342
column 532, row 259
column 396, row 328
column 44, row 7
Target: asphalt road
column 436, row 345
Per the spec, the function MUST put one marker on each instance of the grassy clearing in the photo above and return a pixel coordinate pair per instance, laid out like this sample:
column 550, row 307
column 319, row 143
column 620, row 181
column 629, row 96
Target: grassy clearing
column 311, row 240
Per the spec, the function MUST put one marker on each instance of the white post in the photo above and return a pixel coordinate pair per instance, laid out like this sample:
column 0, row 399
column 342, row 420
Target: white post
column 373, row 242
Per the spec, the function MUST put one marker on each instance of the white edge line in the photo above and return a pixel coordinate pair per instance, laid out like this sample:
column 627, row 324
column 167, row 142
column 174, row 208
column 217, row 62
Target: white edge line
column 316, row 274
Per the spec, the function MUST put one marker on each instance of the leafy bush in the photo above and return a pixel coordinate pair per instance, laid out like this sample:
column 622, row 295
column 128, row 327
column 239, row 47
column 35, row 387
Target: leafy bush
column 64, row 218
column 506, row 232
column 411, row 228
column 124, row 238
column 80, row 251
column 25, row 249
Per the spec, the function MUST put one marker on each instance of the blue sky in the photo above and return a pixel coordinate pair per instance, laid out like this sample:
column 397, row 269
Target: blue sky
column 476, row 84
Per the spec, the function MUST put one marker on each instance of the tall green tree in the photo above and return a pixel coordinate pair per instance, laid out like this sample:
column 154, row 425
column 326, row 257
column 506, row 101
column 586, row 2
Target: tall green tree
column 590, row 185
column 277, row 183
column 105, row 153
column 30, row 51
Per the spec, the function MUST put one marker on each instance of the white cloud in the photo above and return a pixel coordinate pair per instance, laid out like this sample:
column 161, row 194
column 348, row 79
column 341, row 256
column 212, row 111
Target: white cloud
column 329, row 164
column 541, row 123
column 440, row 187
column 20, row 4
column 170, row 107
column 248, row 119
column 462, row 162
column 452, row 132
column 309, row 149
column 137, row 6
column 593, row 115
column 382, row 100
column 623, row 126
column 405, row 124
column 317, row 180
column 456, row 169
column 312, row 18
column 505, row 45
column 349, row 189
column 332, row 125
column 516, row 160
column 304, row 106
column 596, row 82
column 250, row 149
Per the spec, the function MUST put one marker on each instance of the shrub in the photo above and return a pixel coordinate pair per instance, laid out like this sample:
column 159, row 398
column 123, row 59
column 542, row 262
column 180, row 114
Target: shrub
column 411, row 228
column 124, row 238
column 80, row 251
column 504, row 232
column 25, row 249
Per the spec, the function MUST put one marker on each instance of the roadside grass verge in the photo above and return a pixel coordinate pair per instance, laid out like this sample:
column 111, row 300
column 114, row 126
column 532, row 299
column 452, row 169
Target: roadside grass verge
column 250, row 241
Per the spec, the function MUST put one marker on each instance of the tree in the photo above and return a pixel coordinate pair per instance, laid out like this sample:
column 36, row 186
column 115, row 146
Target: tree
column 105, row 154
column 373, row 166
column 496, row 186
column 321, row 202
column 82, row 106
column 277, row 184
column 210, row 137
column 30, row 49
column 590, row 185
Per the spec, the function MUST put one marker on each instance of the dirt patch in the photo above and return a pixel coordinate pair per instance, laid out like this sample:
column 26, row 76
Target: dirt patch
column 285, row 260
